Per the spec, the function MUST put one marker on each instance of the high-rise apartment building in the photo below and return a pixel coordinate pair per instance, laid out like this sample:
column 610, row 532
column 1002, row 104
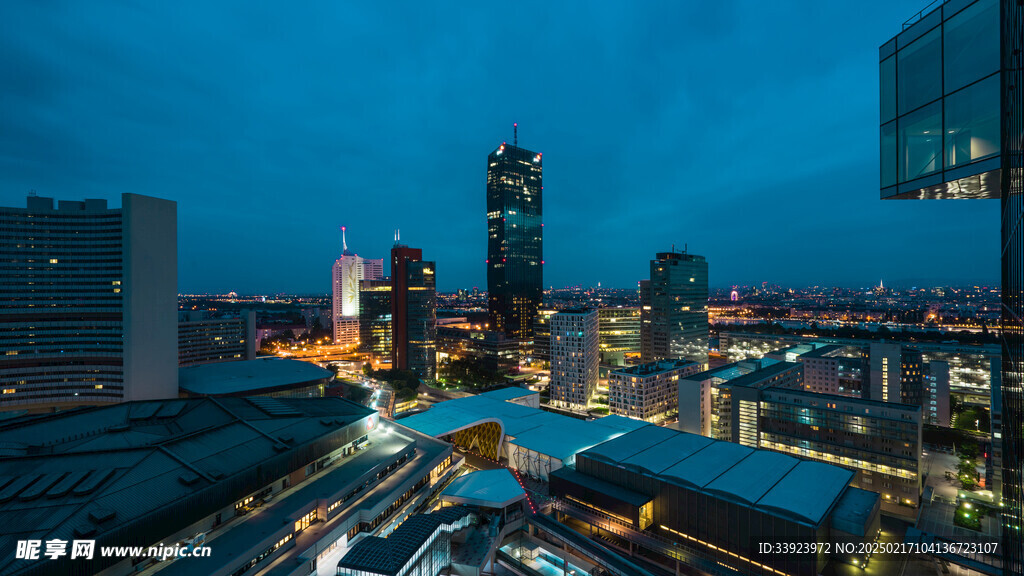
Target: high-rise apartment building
column 89, row 302
column 346, row 274
column 674, row 309
column 575, row 357
column 952, row 111
column 515, row 233
column 620, row 334
column 413, row 312
column 648, row 392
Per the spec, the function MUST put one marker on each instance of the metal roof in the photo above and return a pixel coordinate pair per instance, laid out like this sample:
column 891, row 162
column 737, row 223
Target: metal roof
column 778, row 484
column 250, row 376
column 491, row 488
column 664, row 455
column 752, row 477
column 555, row 435
column 106, row 472
column 623, row 447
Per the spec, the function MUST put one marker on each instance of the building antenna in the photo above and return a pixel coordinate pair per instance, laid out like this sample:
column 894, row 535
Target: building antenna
column 515, row 134
column 344, row 245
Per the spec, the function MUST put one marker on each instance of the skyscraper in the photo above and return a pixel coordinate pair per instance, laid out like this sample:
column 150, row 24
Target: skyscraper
column 89, row 302
column 514, row 239
column 347, row 272
column 952, row 112
column 674, row 309
column 413, row 312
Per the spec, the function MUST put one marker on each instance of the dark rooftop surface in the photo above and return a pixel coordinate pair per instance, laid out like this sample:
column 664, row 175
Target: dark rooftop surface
column 89, row 472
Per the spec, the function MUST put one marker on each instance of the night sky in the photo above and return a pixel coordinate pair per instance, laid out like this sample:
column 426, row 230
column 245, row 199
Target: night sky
column 748, row 131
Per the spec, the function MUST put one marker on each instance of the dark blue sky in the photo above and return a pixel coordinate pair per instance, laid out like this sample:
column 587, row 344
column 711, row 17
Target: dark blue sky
column 747, row 130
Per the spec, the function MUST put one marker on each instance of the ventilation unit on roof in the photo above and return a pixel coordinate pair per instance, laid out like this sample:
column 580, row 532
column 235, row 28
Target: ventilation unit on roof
column 273, row 407
column 40, row 487
column 93, row 482
column 101, row 515
column 65, row 485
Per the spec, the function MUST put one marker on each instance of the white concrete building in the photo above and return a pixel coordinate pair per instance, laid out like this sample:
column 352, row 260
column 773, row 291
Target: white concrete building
column 575, row 355
column 346, row 273
column 91, row 293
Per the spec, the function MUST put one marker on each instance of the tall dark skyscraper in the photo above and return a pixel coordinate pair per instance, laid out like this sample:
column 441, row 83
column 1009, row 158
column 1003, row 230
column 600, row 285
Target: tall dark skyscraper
column 515, row 236
column 952, row 115
column 413, row 312
column 674, row 309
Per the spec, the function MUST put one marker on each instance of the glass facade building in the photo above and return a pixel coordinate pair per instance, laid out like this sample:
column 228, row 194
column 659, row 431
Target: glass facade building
column 939, row 105
column 958, row 70
column 620, row 334
column 413, row 312
column 674, row 309
column 375, row 317
column 514, row 240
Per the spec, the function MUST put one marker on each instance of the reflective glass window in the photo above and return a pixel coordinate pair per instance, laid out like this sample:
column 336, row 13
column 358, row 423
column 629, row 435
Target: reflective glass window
column 971, row 40
column 972, row 122
column 887, row 88
column 889, row 160
column 919, row 71
column 920, row 142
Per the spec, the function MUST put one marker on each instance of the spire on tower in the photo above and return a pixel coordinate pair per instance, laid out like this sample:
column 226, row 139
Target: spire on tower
column 344, row 245
column 515, row 134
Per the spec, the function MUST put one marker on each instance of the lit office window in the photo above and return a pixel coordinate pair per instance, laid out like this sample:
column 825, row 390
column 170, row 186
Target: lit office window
column 972, row 123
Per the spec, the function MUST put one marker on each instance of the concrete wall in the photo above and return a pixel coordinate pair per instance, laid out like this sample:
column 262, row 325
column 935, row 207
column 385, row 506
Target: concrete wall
column 151, row 297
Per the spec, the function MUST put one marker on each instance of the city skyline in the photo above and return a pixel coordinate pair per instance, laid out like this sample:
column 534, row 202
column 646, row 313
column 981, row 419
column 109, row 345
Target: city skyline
column 230, row 134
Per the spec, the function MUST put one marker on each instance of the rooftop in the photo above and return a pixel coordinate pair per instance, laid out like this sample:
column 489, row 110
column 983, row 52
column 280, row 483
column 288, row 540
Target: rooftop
column 552, row 434
column 103, row 470
column 249, row 376
column 823, row 352
column 496, row 488
column 510, row 393
column 651, row 368
column 775, row 483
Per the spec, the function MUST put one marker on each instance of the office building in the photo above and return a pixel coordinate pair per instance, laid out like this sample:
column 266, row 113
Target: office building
column 515, row 233
column 90, row 302
column 575, row 356
column 721, row 403
column 205, row 337
column 971, row 367
column 346, row 274
column 648, row 392
column 491, row 350
column 542, row 335
column 413, row 312
column 952, row 111
column 831, row 369
column 674, row 309
column 880, row 441
column 185, row 472
column 620, row 334
column 935, row 409
column 375, row 318
column 709, row 503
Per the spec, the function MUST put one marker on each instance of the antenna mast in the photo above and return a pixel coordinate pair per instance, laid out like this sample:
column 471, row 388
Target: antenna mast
column 515, row 134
